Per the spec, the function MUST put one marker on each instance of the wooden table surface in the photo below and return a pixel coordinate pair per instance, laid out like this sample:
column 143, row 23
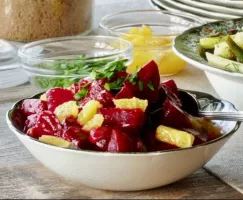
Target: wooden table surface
column 23, row 177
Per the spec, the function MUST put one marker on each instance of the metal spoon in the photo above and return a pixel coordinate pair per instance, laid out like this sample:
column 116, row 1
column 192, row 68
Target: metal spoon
column 192, row 107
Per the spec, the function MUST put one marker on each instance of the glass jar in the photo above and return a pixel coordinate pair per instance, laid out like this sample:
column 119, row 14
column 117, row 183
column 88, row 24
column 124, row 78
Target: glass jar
column 29, row 20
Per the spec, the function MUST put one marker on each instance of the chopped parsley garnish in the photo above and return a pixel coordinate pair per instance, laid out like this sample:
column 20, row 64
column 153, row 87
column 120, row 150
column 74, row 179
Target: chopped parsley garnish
column 134, row 77
column 116, row 85
column 109, row 70
column 82, row 93
column 150, row 85
column 107, row 86
column 73, row 70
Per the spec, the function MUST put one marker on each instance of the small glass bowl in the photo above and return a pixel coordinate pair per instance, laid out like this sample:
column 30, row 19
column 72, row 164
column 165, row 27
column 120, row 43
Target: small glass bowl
column 60, row 62
column 165, row 26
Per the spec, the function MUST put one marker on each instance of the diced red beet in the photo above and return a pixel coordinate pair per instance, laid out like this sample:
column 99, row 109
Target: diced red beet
column 76, row 87
column 161, row 146
column 125, row 119
column 121, row 74
column 70, row 121
column 58, row 96
column 47, row 124
column 126, row 92
column 150, row 77
column 30, row 121
column 172, row 92
column 170, row 86
column 150, row 72
column 18, row 118
column 138, row 143
column 99, row 93
column 173, row 117
column 33, row 106
column 100, row 137
column 76, row 136
column 120, row 142
column 153, row 144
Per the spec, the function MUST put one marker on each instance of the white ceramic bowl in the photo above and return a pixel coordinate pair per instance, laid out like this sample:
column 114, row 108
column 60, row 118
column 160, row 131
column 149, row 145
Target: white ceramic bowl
column 129, row 171
column 228, row 85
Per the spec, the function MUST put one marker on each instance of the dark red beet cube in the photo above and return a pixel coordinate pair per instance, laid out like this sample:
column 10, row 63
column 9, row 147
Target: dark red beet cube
column 70, row 121
column 150, row 72
column 76, row 87
column 47, row 124
column 170, row 86
column 18, row 118
column 100, row 137
column 99, row 93
column 150, row 78
column 33, row 106
column 126, row 92
column 125, row 119
column 58, row 96
column 76, row 136
column 30, row 122
column 173, row 117
column 120, row 142
column 121, row 74
column 172, row 92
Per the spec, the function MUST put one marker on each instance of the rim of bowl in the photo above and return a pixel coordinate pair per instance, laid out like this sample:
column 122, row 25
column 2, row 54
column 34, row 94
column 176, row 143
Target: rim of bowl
column 26, row 56
column 173, row 13
column 22, row 134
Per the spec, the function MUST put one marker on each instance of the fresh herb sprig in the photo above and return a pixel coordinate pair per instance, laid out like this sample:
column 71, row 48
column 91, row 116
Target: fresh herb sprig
column 109, row 70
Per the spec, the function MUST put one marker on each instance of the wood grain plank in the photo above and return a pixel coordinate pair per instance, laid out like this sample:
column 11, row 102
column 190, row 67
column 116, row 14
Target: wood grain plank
column 35, row 181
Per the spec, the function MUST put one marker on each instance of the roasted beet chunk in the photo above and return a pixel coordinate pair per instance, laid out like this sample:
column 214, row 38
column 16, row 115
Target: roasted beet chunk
column 47, row 124
column 125, row 119
column 76, row 87
column 72, row 132
column 18, row 118
column 76, row 136
column 33, row 106
column 30, row 121
column 99, row 93
column 148, row 82
column 120, row 142
column 58, row 96
column 173, row 117
column 172, row 92
column 126, row 92
column 100, row 137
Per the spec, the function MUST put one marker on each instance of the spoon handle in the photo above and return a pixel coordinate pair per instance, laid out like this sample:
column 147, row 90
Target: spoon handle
column 226, row 116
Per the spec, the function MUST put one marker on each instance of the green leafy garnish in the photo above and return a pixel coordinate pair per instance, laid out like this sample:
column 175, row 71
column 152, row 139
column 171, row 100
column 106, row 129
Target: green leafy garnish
column 80, row 67
column 109, row 70
column 116, row 85
column 81, row 94
column 150, row 85
column 107, row 86
column 134, row 77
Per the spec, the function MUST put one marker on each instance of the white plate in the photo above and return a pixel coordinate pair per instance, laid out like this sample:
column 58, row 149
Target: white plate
column 213, row 7
column 227, row 3
column 158, row 4
column 197, row 11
